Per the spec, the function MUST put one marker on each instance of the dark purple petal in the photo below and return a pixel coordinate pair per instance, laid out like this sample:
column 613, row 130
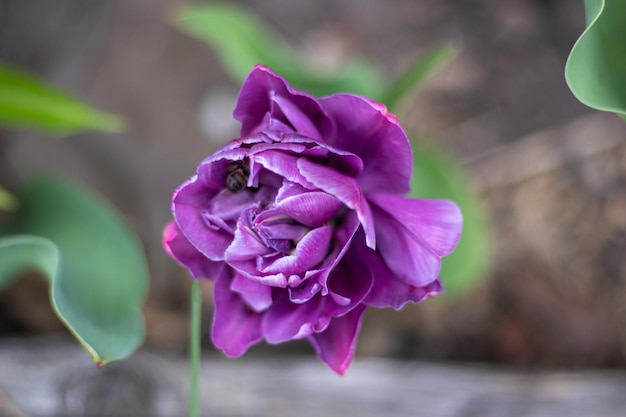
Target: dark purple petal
column 345, row 189
column 336, row 344
column 344, row 161
column 256, row 295
column 349, row 283
column 188, row 204
column 387, row 290
column 235, row 326
column 179, row 248
column 366, row 129
column 415, row 235
column 286, row 321
column 393, row 293
column 265, row 93
column 301, row 122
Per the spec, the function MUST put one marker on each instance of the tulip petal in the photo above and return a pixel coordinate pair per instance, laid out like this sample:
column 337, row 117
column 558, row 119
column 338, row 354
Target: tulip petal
column 309, row 252
column 263, row 90
column 387, row 290
column 189, row 203
column 311, row 209
column 337, row 343
column 179, row 248
column 414, row 234
column 437, row 223
column 349, row 283
column 282, row 164
column 286, row 321
column 316, row 280
column 255, row 294
column 345, row 189
column 366, row 129
column 235, row 326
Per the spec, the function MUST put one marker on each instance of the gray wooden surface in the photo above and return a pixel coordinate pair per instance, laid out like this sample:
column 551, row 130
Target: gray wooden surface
column 42, row 377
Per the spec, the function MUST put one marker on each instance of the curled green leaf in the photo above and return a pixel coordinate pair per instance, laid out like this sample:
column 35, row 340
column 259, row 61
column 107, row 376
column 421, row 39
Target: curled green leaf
column 26, row 101
column 596, row 67
column 95, row 265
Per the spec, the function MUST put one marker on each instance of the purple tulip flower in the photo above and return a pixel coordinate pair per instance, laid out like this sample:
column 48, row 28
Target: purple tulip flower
column 302, row 222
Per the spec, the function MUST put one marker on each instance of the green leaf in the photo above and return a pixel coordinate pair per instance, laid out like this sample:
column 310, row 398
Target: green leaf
column 415, row 75
column 242, row 41
column 102, row 275
column 8, row 202
column 26, row 101
column 596, row 68
column 435, row 175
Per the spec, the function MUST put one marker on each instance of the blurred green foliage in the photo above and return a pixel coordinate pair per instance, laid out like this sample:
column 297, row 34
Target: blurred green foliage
column 95, row 265
column 28, row 102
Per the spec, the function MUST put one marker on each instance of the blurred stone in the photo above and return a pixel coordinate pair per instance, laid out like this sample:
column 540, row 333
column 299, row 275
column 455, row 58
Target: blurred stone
column 53, row 378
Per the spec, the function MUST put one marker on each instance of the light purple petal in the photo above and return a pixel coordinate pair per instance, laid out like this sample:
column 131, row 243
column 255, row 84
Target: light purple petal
column 282, row 164
column 312, row 209
column 179, row 248
column 307, row 289
column 345, row 189
column 437, row 223
column 309, row 252
column 256, row 295
column 316, row 280
column 336, row 344
column 405, row 237
column 263, row 90
column 235, row 326
column 366, row 129
column 228, row 206
column 244, row 254
column 289, row 189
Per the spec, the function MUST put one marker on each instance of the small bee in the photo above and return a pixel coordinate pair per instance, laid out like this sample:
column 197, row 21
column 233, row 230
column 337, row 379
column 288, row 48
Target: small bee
column 237, row 175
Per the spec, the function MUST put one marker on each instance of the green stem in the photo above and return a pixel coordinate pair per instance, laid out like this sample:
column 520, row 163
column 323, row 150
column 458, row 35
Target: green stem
column 194, row 349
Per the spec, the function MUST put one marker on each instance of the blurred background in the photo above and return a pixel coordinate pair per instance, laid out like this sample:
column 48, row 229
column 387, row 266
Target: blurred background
column 550, row 172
